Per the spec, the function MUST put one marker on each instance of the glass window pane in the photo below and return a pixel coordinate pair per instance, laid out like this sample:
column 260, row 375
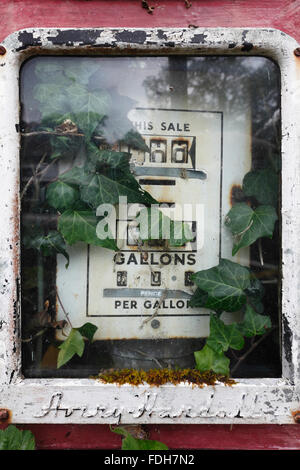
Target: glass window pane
column 192, row 144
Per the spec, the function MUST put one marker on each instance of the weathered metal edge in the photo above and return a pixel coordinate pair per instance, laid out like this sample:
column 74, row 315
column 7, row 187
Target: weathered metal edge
column 271, row 43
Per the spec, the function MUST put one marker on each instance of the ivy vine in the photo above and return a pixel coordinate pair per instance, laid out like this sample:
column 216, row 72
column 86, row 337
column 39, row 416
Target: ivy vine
column 82, row 128
column 80, row 124
column 231, row 287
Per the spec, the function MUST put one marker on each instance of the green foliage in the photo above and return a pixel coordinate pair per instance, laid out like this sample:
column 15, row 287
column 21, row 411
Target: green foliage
column 61, row 195
column 48, row 245
column 222, row 337
column 253, row 323
column 77, row 120
column 262, row 185
column 131, row 443
column 155, row 226
column 13, row 438
column 63, row 146
column 208, row 359
column 80, row 225
column 87, row 331
column 134, row 140
column 255, row 295
column 231, row 287
column 74, row 344
column 73, row 109
column 83, row 124
column 102, row 189
column 248, row 225
column 224, row 284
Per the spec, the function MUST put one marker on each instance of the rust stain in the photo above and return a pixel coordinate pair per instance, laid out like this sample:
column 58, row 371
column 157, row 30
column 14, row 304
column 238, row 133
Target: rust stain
column 97, row 50
column 5, row 416
column 235, row 194
column 296, row 416
column 14, row 325
column 297, row 52
column 297, row 61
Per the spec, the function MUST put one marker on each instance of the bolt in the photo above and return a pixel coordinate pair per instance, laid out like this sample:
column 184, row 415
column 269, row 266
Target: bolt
column 296, row 416
column 3, row 414
column 2, row 50
column 297, row 52
column 155, row 324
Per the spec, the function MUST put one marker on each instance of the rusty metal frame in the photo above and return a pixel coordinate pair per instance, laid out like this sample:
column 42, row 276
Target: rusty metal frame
column 88, row 401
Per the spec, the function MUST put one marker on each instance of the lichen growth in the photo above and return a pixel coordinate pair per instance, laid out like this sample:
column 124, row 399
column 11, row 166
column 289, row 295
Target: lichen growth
column 156, row 377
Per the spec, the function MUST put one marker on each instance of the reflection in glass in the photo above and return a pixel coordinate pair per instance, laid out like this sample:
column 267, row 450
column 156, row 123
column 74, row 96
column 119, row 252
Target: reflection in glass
column 174, row 125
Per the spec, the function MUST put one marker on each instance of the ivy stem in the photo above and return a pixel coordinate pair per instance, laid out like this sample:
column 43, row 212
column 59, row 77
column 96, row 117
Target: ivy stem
column 152, row 358
column 32, row 177
column 63, row 309
column 59, row 133
column 253, row 346
column 261, row 258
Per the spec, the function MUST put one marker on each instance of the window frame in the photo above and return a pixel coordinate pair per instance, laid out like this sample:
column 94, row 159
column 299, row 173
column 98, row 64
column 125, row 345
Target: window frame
column 264, row 400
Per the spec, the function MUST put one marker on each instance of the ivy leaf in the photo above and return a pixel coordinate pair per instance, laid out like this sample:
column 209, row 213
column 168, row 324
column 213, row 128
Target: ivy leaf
column 80, row 70
column 62, row 195
column 52, row 99
column 54, row 243
column 74, row 344
column 131, row 443
column 48, row 245
column 248, row 225
column 80, row 225
column 76, row 176
column 154, row 225
column 208, row 359
column 199, row 299
column 49, row 72
column 263, row 185
column 222, row 337
column 225, row 285
column 134, row 140
column 255, row 294
column 88, row 330
column 87, row 121
column 239, row 218
column 13, row 438
column 83, row 100
column 256, row 288
column 100, row 159
column 254, row 324
column 63, row 146
column 101, row 189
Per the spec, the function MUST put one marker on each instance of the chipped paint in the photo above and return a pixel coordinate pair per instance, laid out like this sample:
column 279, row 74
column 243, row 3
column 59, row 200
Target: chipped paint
column 86, row 401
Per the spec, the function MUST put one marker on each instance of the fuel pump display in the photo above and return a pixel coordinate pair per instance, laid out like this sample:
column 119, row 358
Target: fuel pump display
column 178, row 133
column 177, row 172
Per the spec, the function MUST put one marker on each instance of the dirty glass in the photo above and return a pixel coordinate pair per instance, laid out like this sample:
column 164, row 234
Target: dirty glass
column 150, row 224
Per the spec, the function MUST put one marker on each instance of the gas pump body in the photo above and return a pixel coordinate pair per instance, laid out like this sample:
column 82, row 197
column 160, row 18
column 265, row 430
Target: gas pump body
column 281, row 15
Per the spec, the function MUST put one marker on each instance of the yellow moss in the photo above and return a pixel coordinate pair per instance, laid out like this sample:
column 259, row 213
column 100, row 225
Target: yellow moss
column 156, row 377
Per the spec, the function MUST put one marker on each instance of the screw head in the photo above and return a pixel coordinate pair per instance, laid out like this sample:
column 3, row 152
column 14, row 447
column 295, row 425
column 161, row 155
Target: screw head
column 297, row 52
column 296, row 416
column 155, row 324
column 3, row 414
